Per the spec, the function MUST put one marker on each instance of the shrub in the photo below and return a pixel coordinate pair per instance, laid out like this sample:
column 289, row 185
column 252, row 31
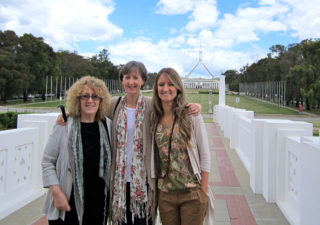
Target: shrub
column 8, row 120
column 207, row 92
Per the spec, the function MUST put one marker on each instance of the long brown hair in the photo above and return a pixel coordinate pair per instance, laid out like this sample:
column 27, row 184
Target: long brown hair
column 179, row 105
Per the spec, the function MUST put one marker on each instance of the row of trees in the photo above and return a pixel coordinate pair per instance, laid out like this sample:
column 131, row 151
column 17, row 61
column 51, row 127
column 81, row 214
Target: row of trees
column 26, row 61
column 298, row 65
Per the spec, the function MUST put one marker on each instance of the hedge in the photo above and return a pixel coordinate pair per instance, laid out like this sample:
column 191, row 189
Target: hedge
column 8, row 120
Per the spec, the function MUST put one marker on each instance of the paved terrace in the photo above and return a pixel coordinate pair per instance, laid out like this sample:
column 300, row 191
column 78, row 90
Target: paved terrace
column 235, row 203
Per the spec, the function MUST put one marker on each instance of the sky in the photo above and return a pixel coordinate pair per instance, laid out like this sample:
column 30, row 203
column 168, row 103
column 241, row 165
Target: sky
column 223, row 35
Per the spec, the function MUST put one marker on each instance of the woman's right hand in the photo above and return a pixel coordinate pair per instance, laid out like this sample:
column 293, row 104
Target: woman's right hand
column 60, row 120
column 60, row 199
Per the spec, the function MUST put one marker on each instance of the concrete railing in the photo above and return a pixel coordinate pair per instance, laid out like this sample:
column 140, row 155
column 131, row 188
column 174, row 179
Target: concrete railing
column 20, row 156
column 282, row 159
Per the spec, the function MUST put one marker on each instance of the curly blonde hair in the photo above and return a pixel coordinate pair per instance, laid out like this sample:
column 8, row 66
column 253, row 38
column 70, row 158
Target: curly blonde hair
column 179, row 105
column 98, row 87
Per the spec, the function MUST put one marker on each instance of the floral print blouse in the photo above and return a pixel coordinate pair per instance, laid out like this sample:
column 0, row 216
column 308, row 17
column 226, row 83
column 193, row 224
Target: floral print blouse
column 180, row 177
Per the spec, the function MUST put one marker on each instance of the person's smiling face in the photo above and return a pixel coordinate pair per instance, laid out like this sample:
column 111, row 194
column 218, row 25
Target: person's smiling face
column 167, row 92
column 89, row 103
column 132, row 82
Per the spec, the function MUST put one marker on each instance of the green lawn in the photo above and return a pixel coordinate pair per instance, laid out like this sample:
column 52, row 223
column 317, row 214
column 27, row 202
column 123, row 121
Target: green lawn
column 259, row 107
column 247, row 103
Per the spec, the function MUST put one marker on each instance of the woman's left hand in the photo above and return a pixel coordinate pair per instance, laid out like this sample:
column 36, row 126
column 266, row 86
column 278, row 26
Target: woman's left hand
column 194, row 109
column 205, row 182
column 205, row 188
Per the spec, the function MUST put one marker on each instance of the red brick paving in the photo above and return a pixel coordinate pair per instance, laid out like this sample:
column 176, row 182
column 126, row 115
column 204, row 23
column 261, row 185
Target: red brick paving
column 238, row 208
column 217, row 142
column 228, row 177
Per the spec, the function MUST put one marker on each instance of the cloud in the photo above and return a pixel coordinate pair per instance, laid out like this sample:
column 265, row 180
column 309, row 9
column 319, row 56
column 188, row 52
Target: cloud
column 304, row 18
column 175, row 7
column 203, row 16
column 248, row 23
column 204, row 13
column 61, row 23
column 162, row 54
column 301, row 18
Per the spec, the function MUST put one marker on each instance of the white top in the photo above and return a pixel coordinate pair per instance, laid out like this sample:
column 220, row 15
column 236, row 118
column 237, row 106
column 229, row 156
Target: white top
column 131, row 116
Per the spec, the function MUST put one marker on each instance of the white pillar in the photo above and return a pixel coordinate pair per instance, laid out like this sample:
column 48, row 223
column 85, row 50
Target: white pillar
column 222, row 91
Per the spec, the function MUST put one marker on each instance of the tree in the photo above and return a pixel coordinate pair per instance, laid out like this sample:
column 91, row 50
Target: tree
column 277, row 50
column 104, row 68
column 150, row 81
column 233, row 79
column 11, row 79
column 40, row 59
column 74, row 65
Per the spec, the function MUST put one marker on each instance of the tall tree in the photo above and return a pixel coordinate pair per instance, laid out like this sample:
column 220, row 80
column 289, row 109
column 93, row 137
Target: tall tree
column 233, row 79
column 41, row 61
column 104, row 68
column 11, row 78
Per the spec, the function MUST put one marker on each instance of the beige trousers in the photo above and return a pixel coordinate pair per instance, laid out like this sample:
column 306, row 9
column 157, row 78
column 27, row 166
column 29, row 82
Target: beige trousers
column 183, row 208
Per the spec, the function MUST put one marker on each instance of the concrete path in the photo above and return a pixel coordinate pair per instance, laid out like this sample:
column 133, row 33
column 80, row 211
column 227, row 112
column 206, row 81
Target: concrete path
column 235, row 203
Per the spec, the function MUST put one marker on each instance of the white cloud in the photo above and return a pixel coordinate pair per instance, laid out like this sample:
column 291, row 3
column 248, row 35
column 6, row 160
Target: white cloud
column 304, row 18
column 174, row 42
column 204, row 16
column 175, row 7
column 158, row 55
column 204, row 13
column 246, row 25
column 60, row 22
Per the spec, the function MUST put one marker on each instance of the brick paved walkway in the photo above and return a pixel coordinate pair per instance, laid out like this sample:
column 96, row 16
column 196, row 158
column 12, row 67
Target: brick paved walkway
column 235, row 203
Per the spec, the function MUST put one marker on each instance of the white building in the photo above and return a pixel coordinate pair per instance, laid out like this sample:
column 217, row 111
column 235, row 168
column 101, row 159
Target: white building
column 201, row 83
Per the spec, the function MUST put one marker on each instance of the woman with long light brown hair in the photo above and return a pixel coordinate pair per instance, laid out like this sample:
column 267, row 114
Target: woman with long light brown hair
column 182, row 156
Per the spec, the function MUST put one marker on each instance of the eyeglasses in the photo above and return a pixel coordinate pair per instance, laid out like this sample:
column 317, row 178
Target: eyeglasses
column 86, row 97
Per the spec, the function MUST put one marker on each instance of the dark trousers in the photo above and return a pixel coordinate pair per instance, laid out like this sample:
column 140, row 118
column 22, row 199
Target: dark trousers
column 137, row 221
column 89, row 217
column 71, row 217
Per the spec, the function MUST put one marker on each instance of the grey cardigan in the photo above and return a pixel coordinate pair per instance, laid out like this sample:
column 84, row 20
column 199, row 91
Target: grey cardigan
column 58, row 168
column 200, row 159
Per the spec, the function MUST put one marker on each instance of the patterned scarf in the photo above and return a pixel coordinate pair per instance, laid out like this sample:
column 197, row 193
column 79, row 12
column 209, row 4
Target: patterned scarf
column 77, row 151
column 138, row 185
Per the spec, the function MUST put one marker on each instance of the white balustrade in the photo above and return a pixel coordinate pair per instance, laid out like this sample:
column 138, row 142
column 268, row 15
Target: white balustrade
column 270, row 152
column 309, row 197
column 19, row 169
column 20, row 161
column 282, row 159
column 245, row 145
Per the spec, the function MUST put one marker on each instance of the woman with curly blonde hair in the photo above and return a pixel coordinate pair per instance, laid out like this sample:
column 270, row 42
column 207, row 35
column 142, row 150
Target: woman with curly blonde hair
column 77, row 158
column 181, row 153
